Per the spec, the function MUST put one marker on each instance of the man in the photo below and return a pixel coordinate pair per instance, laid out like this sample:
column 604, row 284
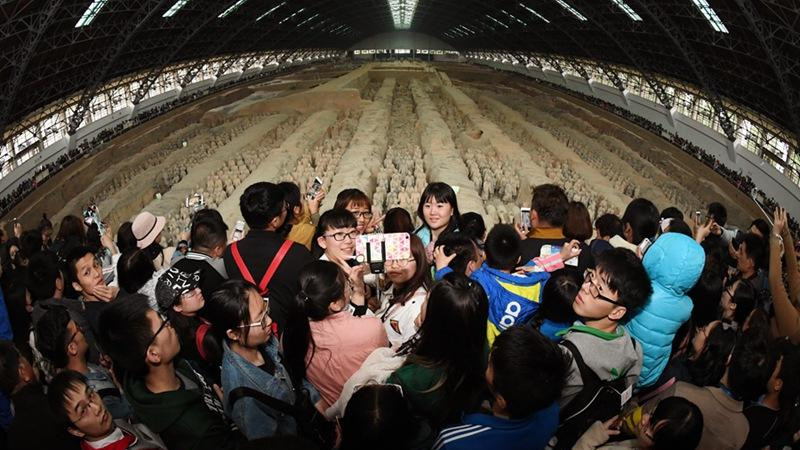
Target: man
column 264, row 210
column 209, row 237
column 164, row 391
column 548, row 214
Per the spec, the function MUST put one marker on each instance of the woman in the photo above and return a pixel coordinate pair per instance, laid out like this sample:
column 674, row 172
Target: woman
column 326, row 343
column 250, row 359
column 335, row 238
column 360, row 206
column 71, row 234
column 398, row 220
column 299, row 225
column 137, row 274
column 126, row 242
column 438, row 210
column 400, row 304
column 738, row 301
column 147, row 229
column 578, row 225
column 443, row 375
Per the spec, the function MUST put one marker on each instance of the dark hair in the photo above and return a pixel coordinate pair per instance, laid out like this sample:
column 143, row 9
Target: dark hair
column 210, row 214
column 420, row 279
column 642, row 216
column 260, row 203
column 718, row 212
column 463, row 247
column 51, row 335
column 762, row 226
column 377, row 416
column 755, row 249
column 472, row 225
column 679, row 226
column 71, row 227
column 558, row 294
column 321, row 283
column 43, row 271
column 44, row 224
column 503, row 247
column 626, row 277
column 125, row 238
column 706, row 294
column 398, row 220
column 682, row 424
column 744, row 297
column 134, row 269
column 550, row 203
column 30, row 243
column 291, row 195
column 457, row 312
column 354, row 196
column 229, row 306
column 93, row 237
column 751, row 366
column 529, row 370
column 208, row 233
column 60, row 385
column 72, row 259
column 578, row 224
column 9, row 367
column 789, row 396
column 671, row 213
column 329, row 220
column 124, row 332
column 608, row 225
column 442, row 193
column 708, row 367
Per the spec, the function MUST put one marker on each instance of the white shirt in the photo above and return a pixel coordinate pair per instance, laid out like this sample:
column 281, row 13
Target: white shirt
column 399, row 319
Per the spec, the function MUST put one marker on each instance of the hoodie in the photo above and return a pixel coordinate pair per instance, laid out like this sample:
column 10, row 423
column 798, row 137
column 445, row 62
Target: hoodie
column 673, row 263
column 188, row 418
column 609, row 355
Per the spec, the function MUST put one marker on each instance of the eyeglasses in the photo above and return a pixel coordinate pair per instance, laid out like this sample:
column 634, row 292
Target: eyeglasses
column 340, row 236
column 262, row 322
column 164, row 324
column 92, row 398
column 189, row 294
column 362, row 214
column 589, row 277
column 398, row 262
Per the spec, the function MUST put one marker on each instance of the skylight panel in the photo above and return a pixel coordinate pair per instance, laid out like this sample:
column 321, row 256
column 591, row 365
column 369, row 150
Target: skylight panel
column 462, row 27
column 496, row 21
column 90, row 13
column 292, row 15
column 230, row 10
column 511, row 16
column 710, row 15
column 270, row 11
column 175, row 8
column 572, row 10
column 627, row 10
column 534, row 13
column 402, row 12
column 310, row 18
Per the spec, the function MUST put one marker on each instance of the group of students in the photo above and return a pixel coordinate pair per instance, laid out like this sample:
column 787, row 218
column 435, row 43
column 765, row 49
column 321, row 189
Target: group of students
column 512, row 338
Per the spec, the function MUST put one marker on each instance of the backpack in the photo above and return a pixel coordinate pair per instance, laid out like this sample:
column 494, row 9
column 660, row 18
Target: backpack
column 598, row 400
column 310, row 423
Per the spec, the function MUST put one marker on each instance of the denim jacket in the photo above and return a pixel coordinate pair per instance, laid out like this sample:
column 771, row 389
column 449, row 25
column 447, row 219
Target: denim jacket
column 253, row 418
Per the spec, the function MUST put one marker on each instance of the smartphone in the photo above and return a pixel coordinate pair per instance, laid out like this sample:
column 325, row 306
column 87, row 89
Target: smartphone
column 238, row 230
column 316, row 186
column 352, row 262
column 377, row 248
column 525, row 218
column 644, row 245
column 697, row 215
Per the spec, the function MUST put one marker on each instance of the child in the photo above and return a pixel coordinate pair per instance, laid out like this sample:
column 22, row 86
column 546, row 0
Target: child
column 618, row 285
column 513, row 297
column 524, row 375
column 555, row 313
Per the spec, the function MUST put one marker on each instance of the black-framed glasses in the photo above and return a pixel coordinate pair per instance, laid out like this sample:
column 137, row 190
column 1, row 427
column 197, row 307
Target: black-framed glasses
column 589, row 277
column 164, row 324
column 340, row 236
column 92, row 398
column 362, row 214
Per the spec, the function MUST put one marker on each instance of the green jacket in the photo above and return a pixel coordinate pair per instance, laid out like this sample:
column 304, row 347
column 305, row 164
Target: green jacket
column 186, row 419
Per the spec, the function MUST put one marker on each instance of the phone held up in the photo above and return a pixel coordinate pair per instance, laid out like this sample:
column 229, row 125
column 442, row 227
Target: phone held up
column 316, row 186
column 525, row 218
column 238, row 230
column 375, row 249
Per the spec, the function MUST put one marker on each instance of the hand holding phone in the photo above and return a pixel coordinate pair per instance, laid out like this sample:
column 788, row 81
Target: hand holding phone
column 525, row 218
column 238, row 230
column 314, row 189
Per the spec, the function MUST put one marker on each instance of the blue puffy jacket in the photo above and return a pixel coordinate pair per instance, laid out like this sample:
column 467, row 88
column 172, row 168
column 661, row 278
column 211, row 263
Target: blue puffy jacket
column 674, row 263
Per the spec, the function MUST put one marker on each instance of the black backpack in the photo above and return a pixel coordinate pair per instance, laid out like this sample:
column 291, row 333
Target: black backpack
column 598, row 400
column 310, row 423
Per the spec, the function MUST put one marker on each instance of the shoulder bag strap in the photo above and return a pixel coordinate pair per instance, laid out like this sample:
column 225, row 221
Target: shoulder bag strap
column 237, row 258
column 199, row 336
column 273, row 266
column 272, row 402
column 587, row 374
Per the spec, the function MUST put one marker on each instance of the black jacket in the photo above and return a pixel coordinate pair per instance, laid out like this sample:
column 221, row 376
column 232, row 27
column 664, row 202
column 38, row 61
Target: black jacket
column 34, row 426
column 258, row 249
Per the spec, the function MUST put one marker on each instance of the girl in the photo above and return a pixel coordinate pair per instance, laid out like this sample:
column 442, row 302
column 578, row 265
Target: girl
column 250, row 359
column 360, row 206
column 555, row 312
column 443, row 375
column 738, row 300
column 299, row 225
column 438, row 210
column 326, row 343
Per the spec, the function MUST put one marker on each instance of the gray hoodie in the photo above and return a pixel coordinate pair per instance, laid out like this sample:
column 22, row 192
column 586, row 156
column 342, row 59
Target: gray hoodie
column 610, row 356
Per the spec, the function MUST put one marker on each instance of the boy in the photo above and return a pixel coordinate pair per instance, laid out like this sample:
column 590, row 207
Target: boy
column 525, row 374
column 165, row 393
column 79, row 410
column 617, row 286
column 513, row 297
column 465, row 253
